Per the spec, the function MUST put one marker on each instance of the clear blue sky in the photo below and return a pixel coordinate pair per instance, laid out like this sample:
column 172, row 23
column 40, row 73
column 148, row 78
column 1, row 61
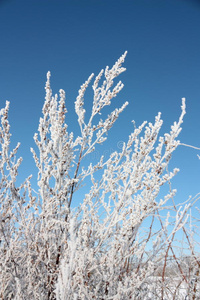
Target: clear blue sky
column 74, row 38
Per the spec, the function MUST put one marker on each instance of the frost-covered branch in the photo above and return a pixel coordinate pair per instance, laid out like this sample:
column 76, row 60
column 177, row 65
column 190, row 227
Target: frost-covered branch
column 118, row 243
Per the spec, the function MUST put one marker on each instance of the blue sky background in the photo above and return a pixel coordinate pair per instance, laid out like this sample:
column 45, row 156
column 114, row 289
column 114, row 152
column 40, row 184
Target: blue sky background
column 74, row 38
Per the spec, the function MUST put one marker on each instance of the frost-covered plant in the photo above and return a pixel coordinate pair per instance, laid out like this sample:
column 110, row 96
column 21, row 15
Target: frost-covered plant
column 100, row 250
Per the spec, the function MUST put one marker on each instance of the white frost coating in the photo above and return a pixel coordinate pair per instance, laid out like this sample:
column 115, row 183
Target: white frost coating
column 118, row 243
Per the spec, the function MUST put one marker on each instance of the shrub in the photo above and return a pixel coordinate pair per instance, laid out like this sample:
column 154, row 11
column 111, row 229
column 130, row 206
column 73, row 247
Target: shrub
column 100, row 250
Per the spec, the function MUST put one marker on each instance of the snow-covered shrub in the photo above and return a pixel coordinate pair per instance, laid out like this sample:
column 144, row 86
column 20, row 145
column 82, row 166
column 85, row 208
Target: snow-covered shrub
column 101, row 249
